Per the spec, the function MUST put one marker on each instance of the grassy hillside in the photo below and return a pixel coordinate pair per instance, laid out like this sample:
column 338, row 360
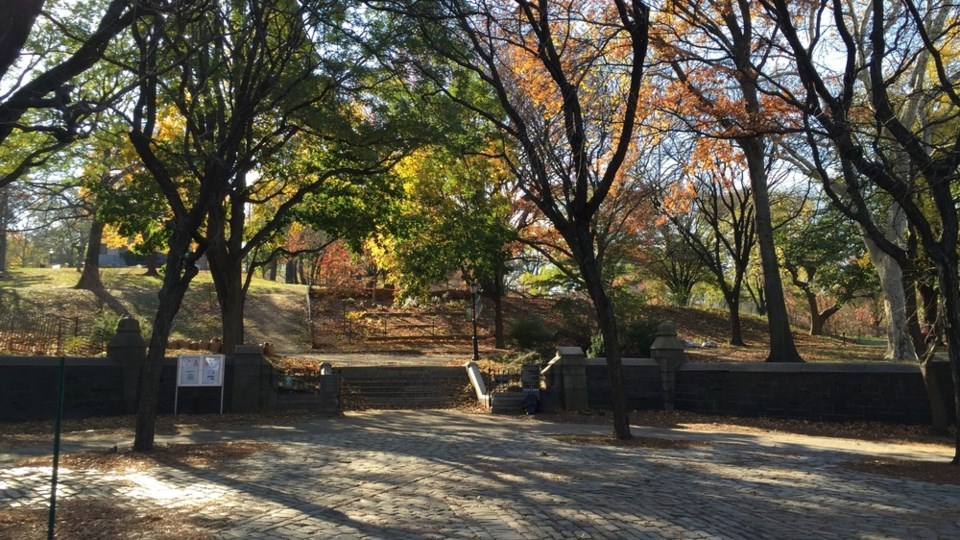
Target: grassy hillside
column 277, row 313
column 273, row 310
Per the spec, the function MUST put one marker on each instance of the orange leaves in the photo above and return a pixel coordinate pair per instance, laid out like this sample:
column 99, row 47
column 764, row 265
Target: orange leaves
column 709, row 53
column 591, row 47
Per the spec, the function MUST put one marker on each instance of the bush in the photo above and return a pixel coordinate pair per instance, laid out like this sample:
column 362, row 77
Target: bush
column 636, row 338
column 104, row 327
column 576, row 322
column 530, row 333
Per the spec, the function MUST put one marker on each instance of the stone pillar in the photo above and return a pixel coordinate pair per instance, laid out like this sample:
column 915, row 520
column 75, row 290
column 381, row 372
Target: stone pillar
column 248, row 363
column 573, row 368
column 129, row 350
column 667, row 351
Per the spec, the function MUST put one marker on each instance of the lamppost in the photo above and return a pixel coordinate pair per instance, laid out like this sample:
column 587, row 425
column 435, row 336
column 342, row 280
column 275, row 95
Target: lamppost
column 473, row 306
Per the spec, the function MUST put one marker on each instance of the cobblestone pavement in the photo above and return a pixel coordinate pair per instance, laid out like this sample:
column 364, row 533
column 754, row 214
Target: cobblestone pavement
column 445, row 474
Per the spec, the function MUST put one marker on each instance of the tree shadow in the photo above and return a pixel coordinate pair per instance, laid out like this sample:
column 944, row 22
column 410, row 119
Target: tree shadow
column 504, row 477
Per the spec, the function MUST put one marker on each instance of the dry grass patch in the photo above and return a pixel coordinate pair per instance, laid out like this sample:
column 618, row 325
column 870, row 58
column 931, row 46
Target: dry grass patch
column 96, row 519
column 93, row 518
column 635, row 442
column 935, row 472
column 41, row 431
column 197, row 456
column 867, row 431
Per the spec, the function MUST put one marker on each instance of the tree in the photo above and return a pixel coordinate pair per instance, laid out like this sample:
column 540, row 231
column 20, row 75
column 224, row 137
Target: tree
column 240, row 103
column 712, row 209
column 677, row 265
column 43, row 110
column 17, row 19
column 891, row 134
column 819, row 252
column 453, row 217
column 713, row 49
column 567, row 82
column 893, row 269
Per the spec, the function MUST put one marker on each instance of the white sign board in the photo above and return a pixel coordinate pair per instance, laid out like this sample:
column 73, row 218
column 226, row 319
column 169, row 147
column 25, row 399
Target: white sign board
column 206, row 370
column 200, row 370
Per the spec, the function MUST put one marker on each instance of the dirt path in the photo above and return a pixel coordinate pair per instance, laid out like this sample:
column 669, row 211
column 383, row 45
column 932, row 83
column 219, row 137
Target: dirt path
column 279, row 318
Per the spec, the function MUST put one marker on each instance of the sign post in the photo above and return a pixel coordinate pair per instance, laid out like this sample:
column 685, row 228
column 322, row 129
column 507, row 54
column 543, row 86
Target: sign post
column 206, row 370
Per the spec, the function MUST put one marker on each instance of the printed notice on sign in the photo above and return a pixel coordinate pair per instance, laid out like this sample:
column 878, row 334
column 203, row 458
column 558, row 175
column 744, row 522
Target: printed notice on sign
column 200, row 370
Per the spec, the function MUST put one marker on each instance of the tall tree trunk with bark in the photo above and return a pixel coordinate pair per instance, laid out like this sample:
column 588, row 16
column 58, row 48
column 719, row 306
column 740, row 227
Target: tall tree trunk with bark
column 272, row 272
column 16, row 20
column 494, row 290
column 180, row 271
column 152, row 265
column 4, row 226
column 782, row 347
column 227, row 277
column 290, row 271
column 581, row 243
column 899, row 343
column 90, row 277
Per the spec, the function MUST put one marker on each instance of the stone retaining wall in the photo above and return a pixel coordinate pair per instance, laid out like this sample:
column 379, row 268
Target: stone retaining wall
column 108, row 386
column 834, row 392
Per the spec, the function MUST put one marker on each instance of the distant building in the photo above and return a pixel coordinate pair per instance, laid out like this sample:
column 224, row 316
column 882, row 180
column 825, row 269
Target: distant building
column 111, row 257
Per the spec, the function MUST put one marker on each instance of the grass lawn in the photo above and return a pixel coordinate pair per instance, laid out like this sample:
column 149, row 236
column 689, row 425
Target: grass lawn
column 273, row 308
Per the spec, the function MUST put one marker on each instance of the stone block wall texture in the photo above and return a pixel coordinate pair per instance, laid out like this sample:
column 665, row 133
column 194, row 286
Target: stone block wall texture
column 28, row 388
column 95, row 387
column 838, row 392
column 641, row 386
column 326, row 402
column 405, row 387
column 833, row 392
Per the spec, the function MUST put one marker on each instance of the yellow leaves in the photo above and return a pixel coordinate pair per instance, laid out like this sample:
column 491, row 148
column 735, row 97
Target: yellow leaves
column 113, row 239
column 170, row 124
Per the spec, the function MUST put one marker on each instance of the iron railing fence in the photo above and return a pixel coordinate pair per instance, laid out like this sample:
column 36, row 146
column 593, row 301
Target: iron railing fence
column 48, row 336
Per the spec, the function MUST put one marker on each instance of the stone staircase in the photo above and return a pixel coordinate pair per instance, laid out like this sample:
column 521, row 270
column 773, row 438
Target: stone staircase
column 394, row 387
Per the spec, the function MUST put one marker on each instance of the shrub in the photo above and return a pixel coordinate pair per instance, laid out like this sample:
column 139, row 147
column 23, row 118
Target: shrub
column 636, row 338
column 530, row 333
column 576, row 322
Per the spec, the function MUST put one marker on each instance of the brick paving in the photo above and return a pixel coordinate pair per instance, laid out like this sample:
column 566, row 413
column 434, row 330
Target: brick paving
column 446, row 474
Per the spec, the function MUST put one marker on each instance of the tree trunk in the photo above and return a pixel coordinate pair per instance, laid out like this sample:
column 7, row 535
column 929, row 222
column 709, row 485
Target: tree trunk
column 90, row 277
column 152, row 265
column 736, row 327
column 759, row 301
column 227, row 274
column 822, row 318
column 225, row 258
column 494, row 290
column 950, row 289
column 782, row 347
column 581, row 244
column 272, row 274
column 4, row 224
column 290, row 271
column 938, row 408
column 176, row 280
column 899, row 344
column 17, row 20
column 931, row 307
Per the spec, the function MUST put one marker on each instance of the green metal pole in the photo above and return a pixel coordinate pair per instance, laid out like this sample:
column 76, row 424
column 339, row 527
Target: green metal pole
column 52, row 516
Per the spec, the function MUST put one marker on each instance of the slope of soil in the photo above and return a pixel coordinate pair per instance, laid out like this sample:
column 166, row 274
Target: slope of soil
column 349, row 322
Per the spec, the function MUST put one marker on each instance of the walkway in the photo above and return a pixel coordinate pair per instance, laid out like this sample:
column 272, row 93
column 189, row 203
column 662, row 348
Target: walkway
column 446, row 474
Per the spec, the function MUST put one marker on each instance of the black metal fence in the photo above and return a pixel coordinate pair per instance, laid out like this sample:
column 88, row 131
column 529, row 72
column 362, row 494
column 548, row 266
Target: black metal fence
column 511, row 377
column 48, row 336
